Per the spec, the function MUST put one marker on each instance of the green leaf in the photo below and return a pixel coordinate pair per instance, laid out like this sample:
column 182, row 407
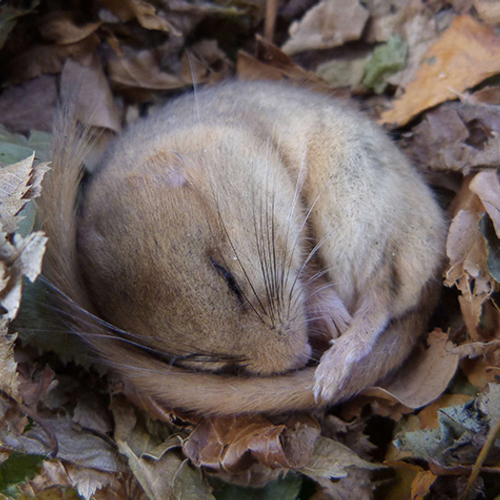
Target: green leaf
column 17, row 469
column 386, row 60
column 15, row 147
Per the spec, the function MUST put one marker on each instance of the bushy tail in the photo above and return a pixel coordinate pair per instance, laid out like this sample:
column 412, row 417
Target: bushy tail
column 168, row 385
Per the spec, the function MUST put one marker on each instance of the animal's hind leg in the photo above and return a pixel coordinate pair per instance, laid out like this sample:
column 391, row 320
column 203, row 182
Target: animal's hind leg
column 365, row 353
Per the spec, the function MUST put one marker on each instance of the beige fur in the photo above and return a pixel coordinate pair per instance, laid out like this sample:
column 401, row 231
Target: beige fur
column 203, row 230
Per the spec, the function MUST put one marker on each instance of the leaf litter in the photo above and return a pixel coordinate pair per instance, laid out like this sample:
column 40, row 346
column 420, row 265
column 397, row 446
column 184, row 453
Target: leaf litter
column 428, row 68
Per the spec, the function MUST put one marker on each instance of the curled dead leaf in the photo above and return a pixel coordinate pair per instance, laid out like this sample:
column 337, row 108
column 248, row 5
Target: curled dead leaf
column 234, row 443
column 425, row 376
column 59, row 27
column 466, row 54
column 86, row 86
column 328, row 24
column 270, row 63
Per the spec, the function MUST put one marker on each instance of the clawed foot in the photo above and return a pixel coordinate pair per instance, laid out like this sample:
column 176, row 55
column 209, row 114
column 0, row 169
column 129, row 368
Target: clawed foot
column 329, row 312
column 336, row 376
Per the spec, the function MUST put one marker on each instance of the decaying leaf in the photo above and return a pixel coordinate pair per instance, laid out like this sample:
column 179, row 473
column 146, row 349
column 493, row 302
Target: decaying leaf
column 143, row 11
column 468, row 270
column 9, row 16
column 59, row 27
column 87, row 88
column 18, row 183
column 402, row 484
column 487, row 186
column 421, row 484
column 488, row 11
column 46, row 59
column 142, row 70
column 332, row 460
column 168, row 477
column 328, row 24
column 425, row 376
column 458, row 137
column 465, row 55
column 460, row 437
column 234, row 443
column 28, row 106
column 270, row 63
column 9, row 382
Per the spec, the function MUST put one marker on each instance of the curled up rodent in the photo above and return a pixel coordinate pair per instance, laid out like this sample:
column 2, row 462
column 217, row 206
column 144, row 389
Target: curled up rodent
column 219, row 238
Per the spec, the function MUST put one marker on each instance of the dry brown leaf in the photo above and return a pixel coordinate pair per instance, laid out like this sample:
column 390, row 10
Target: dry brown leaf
column 59, row 27
column 270, row 63
column 75, row 446
column 488, row 11
column 458, row 137
column 88, row 481
column 142, row 70
column 487, row 186
column 30, row 105
column 405, row 475
column 205, row 63
column 55, row 474
column 18, row 183
column 466, row 249
column 42, row 59
column 328, row 24
column 482, row 371
column 9, row 382
column 465, row 55
column 332, row 459
column 24, row 258
column 424, row 377
column 34, row 389
column 144, row 12
column 234, row 443
column 421, row 485
column 87, row 86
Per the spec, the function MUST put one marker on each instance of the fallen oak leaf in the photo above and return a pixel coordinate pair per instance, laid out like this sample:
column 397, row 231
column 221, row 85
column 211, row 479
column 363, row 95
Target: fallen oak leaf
column 424, row 377
column 59, row 27
column 144, row 12
column 87, row 87
column 271, row 63
column 18, row 183
column 234, row 443
column 468, row 268
column 406, row 474
column 23, row 258
column 421, row 485
column 458, row 136
column 142, row 70
column 328, row 24
column 43, row 59
column 9, row 381
column 465, row 55
column 487, row 186
column 331, row 459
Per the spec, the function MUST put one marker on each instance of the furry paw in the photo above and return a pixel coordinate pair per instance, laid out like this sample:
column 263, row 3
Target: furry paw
column 331, row 315
column 335, row 378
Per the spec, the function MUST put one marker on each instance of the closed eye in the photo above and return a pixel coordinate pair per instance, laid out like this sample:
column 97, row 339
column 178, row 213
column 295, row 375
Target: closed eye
column 230, row 280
